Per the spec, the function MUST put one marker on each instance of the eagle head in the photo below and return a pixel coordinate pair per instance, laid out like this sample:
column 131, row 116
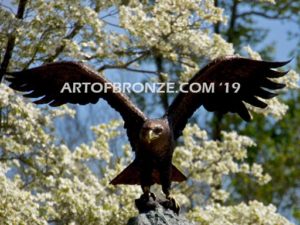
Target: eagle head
column 154, row 130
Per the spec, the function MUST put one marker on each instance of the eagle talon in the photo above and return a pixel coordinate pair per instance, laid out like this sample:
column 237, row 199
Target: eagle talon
column 147, row 196
column 152, row 195
column 174, row 205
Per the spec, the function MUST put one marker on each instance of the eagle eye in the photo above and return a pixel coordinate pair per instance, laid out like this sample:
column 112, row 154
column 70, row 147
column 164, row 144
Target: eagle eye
column 157, row 130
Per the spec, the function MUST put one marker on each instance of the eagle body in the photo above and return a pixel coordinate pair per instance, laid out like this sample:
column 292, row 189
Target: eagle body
column 153, row 161
column 154, row 153
column 153, row 140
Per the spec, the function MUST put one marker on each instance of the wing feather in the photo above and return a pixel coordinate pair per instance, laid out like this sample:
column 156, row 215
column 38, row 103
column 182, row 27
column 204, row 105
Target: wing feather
column 265, row 94
column 253, row 77
column 46, row 82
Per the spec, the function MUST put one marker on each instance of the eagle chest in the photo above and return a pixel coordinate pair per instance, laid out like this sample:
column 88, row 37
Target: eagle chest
column 155, row 151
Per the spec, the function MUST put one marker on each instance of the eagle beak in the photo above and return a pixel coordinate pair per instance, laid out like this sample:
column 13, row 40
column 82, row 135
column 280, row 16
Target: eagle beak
column 151, row 136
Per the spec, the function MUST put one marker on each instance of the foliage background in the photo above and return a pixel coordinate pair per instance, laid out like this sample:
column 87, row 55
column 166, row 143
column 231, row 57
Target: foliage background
column 54, row 169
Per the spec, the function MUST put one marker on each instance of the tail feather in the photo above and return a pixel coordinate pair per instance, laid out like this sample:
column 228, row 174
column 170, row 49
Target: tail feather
column 177, row 175
column 131, row 175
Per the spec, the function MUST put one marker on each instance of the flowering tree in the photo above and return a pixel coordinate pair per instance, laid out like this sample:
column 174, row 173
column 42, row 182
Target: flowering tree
column 276, row 140
column 44, row 182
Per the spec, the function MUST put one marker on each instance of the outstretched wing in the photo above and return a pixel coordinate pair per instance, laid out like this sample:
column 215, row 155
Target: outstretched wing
column 219, row 81
column 71, row 82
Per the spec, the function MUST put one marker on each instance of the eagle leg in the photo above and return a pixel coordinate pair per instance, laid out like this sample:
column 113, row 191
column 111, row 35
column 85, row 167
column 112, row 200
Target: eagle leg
column 147, row 193
column 173, row 204
column 165, row 179
column 165, row 171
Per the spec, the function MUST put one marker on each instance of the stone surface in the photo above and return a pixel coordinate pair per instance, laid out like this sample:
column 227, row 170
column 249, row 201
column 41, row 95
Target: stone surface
column 156, row 212
column 159, row 216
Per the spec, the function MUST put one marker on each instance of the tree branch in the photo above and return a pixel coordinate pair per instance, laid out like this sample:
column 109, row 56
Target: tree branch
column 141, row 71
column 11, row 41
column 36, row 50
column 125, row 65
column 262, row 14
column 217, row 25
column 60, row 48
column 232, row 23
column 160, row 70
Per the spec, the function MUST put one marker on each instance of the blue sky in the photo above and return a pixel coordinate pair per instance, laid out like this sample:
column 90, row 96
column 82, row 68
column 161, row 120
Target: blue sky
column 279, row 36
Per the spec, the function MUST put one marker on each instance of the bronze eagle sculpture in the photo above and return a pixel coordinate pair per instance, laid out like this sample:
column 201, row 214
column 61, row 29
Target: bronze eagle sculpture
column 153, row 140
